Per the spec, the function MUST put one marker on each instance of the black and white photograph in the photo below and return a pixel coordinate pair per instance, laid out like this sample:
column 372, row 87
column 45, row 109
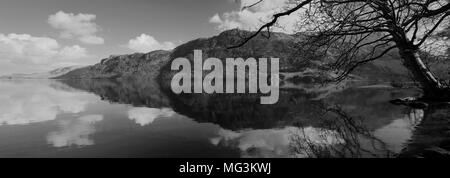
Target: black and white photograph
column 225, row 79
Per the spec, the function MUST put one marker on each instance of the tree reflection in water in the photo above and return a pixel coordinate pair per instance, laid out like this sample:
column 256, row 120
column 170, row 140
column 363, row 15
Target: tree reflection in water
column 352, row 138
column 431, row 138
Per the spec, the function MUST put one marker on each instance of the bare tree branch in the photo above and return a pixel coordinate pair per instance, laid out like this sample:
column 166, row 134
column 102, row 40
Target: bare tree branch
column 271, row 23
column 251, row 5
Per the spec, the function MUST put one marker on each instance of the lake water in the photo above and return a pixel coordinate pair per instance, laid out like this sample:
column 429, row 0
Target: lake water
column 102, row 118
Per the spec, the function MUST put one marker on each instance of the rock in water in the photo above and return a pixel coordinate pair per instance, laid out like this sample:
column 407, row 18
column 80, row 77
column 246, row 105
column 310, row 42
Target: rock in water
column 410, row 102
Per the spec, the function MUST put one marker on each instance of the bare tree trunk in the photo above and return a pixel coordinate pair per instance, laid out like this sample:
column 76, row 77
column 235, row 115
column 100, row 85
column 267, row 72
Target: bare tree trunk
column 431, row 86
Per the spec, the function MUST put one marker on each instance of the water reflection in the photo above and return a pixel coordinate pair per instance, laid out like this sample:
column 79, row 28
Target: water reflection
column 108, row 116
column 301, row 124
column 355, row 138
column 74, row 132
column 38, row 101
column 274, row 143
column 431, row 136
column 399, row 131
column 145, row 116
column 136, row 91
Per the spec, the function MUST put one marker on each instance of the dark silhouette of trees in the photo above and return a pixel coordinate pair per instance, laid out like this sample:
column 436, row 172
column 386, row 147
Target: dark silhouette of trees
column 360, row 31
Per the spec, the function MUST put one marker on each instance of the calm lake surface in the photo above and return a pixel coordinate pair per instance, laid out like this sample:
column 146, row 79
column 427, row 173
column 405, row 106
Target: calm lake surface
column 101, row 118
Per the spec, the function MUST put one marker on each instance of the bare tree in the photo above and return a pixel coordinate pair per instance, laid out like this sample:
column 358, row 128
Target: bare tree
column 366, row 30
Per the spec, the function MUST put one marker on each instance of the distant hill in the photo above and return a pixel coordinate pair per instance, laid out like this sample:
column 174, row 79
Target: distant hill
column 44, row 75
column 122, row 66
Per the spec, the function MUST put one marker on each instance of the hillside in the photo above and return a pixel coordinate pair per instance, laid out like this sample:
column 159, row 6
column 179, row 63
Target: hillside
column 294, row 65
column 122, row 66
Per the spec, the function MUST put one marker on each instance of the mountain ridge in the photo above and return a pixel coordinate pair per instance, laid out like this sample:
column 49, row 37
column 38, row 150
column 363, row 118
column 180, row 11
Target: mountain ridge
column 155, row 64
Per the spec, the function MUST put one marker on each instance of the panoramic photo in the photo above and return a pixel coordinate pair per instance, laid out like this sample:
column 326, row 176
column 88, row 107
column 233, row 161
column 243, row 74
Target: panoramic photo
column 225, row 79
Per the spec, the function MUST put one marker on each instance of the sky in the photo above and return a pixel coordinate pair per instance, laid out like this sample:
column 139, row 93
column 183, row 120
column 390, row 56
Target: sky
column 41, row 35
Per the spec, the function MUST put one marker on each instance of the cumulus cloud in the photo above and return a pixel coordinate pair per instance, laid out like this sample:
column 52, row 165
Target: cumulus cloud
column 146, row 116
column 146, row 43
column 24, row 48
column 27, row 47
column 72, row 52
column 251, row 18
column 76, row 26
column 216, row 19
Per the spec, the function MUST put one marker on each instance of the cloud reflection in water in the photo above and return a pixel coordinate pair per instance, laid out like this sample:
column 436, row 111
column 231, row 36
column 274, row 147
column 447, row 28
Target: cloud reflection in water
column 74, row 132
column 20, row 106
column 145, row 116
column 269, row 143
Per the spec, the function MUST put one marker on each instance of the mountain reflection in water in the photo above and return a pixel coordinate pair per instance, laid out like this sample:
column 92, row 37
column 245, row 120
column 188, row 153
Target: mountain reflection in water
column 136, row 118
